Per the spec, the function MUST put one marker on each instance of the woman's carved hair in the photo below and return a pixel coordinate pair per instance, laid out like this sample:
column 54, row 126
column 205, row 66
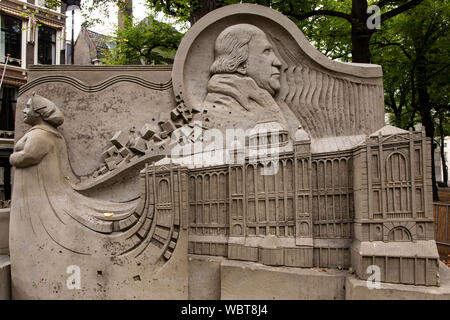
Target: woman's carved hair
column 231, row 48
column 47, row 109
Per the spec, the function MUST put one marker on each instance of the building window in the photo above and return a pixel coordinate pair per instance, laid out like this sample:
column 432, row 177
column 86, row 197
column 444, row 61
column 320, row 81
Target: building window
column 47, row 4
column 8, row 99
column 42, row 3
column 46, row 45
column 11, row 40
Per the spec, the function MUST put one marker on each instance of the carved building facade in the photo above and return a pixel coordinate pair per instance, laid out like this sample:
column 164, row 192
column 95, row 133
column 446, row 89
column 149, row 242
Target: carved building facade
column 319, row 209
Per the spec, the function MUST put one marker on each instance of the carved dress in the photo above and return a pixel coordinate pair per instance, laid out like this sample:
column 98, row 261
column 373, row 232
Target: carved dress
column 54, row 228
column 49, row 206
column 235, row 101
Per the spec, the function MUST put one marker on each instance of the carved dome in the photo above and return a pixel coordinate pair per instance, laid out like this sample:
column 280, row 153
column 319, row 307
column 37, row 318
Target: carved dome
column 301, row 135
column 267, row 134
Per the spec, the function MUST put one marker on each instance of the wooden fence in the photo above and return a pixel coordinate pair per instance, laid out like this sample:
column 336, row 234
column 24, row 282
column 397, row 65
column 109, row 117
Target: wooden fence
column 441, row 213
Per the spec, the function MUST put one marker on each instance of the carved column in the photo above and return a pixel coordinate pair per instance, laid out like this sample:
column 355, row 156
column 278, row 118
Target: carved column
column 303, row 199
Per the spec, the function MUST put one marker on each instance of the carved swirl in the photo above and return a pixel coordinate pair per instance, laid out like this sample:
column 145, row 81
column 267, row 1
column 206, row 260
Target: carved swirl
column 97, row 87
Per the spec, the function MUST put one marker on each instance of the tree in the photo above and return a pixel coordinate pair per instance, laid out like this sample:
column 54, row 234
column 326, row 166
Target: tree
column 418, row 43
column 443, row 130
column 353, row 12
column 146, row 42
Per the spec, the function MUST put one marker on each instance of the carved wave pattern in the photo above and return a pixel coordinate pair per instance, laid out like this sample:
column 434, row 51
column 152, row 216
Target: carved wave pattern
column 155, row 222
column 328, row 104
column 97, row 87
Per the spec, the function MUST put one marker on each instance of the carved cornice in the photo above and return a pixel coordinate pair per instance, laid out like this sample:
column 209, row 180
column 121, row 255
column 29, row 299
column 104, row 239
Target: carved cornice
column 97, row 87
column 71, row 68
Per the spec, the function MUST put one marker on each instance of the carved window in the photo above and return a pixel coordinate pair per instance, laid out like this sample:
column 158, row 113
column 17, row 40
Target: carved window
column 164, row 191
column 396, row 168
column 46, row 45
column 11, row 40
column 400, row 234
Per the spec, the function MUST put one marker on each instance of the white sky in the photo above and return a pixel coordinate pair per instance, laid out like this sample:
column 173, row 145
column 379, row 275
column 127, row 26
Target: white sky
column 109, row 24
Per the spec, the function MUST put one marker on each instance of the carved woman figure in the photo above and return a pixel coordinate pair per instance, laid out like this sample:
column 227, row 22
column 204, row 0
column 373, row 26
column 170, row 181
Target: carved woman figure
column 44, row 117
column 38, row 157
column 53, row 226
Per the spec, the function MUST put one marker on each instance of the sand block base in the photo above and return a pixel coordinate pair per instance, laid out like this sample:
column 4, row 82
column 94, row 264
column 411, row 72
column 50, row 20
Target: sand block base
column 4, row 231
column 5, row 278
column 248, row 281
column 213, row 278
column 358, row 290
column 204, row 277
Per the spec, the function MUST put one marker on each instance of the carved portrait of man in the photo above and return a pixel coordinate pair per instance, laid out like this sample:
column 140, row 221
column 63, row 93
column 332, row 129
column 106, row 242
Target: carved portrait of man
column 245, row 76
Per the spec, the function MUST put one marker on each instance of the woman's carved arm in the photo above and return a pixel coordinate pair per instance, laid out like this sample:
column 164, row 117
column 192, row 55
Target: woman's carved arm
column 36, row 147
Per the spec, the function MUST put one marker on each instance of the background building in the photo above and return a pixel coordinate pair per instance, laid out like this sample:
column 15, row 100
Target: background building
column 90, row 47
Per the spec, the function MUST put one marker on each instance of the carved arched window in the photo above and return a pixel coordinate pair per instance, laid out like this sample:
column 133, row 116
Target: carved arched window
column 164, row 191
column 396, row 167
column 214, row 186
column 399, row 234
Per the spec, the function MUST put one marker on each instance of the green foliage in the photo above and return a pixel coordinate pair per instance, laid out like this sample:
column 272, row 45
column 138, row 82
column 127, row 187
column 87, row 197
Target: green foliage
column 182, row 9
column 329, row 34
column 395, row 46
column 52, row 4
column 95, row 11
column 418, row 37
column 147, row 42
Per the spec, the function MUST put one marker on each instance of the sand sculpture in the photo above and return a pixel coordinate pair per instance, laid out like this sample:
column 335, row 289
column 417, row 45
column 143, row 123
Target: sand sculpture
column 329, row 185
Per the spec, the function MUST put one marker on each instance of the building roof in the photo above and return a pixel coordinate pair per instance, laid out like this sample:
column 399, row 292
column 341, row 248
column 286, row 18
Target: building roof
column 100, row 42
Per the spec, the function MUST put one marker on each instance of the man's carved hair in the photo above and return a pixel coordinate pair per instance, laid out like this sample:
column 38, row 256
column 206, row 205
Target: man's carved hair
column 231, row 48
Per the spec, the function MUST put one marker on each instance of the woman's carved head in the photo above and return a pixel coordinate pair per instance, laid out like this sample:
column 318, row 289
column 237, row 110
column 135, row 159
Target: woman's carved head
column 38, row 106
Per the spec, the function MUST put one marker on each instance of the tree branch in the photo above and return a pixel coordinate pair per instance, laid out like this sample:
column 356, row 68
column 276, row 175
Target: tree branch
column 400, row 9
column 393, row 104
column 330, row 13
column 438, row 71
column 383, row 3
column 411, row 119
column 388, row 43
column 439, row 107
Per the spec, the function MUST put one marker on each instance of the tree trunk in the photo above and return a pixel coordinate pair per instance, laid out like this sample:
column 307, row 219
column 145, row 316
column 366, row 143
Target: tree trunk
column 425, row 112
column 203, row 7
column 125, row 11
column 444, row 164
column 360, row 33
column 396, row 110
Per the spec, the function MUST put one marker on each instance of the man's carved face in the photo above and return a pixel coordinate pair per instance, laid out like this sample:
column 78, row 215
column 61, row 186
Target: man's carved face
column 262, row 64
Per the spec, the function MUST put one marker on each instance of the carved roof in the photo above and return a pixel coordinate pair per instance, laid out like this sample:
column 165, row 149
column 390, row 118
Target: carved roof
column 388, row 130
